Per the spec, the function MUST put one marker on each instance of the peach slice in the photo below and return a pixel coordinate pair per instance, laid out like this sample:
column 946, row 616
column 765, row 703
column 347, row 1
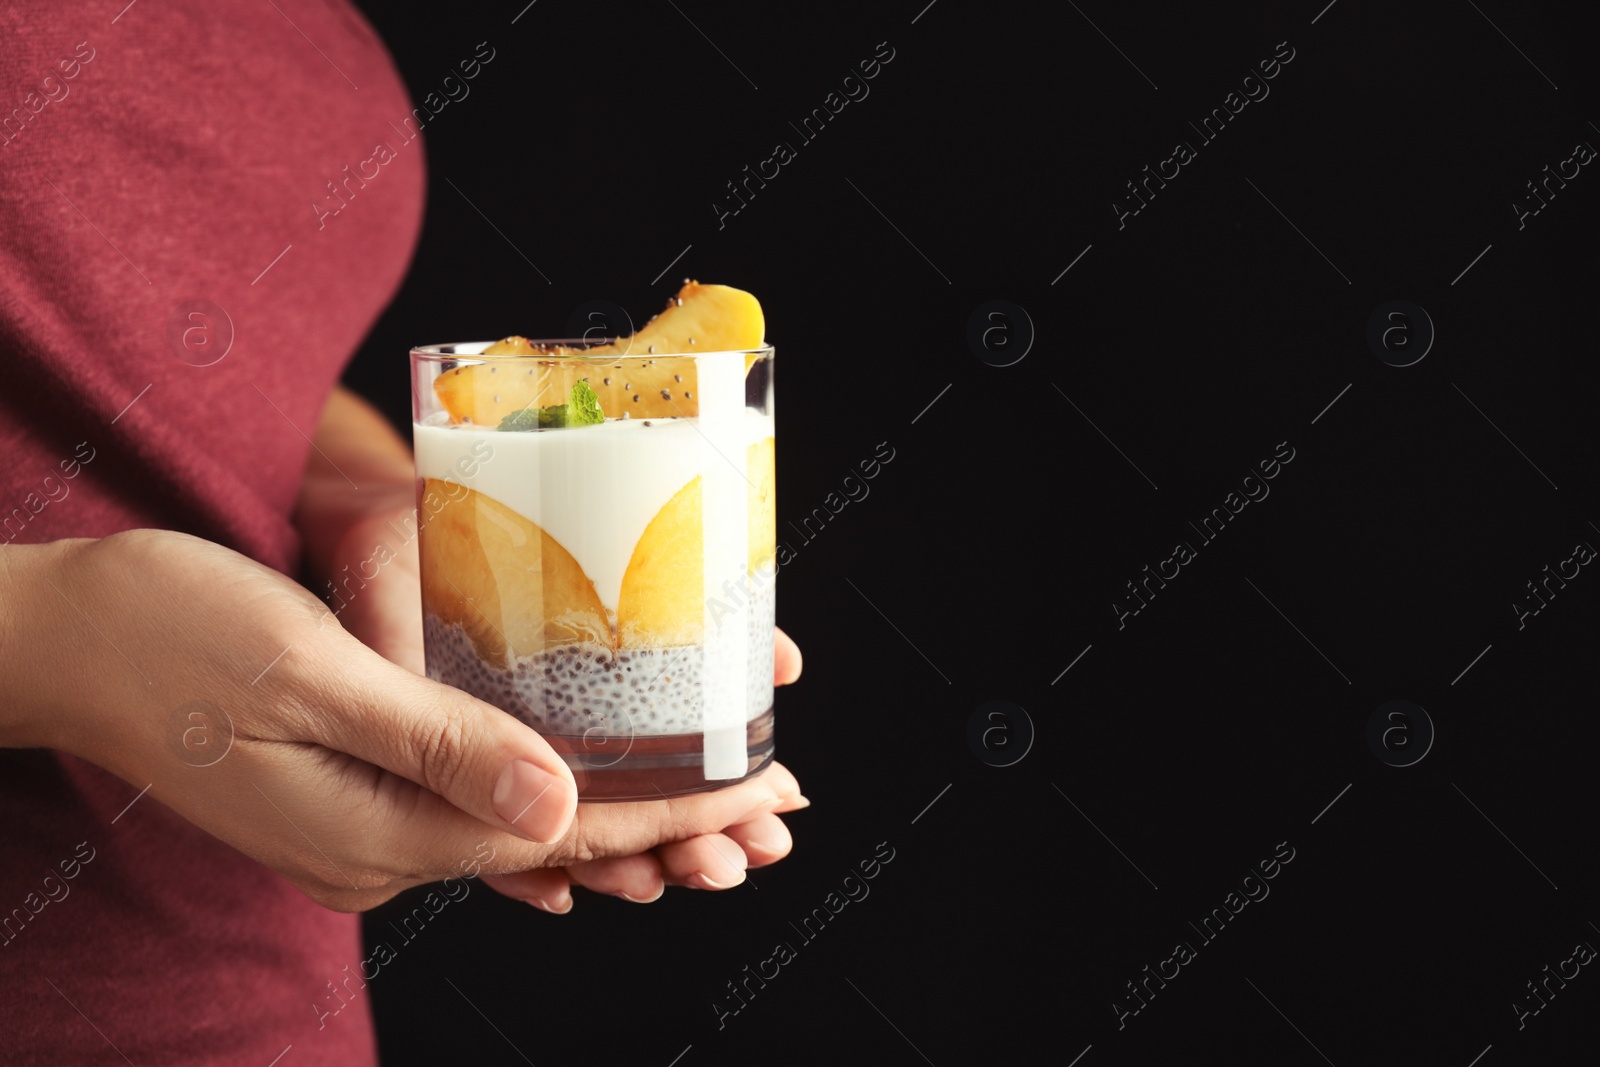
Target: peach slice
column 511, row 586
column 628, row 375
column 663, row 596
column 662, row 602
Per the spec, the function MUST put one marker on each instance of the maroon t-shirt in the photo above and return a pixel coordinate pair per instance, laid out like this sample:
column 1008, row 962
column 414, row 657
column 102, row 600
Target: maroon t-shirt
column 203, row 208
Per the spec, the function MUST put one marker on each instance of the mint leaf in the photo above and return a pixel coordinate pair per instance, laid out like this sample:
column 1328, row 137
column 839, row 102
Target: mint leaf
column 581, row 409
column 535, row 418
column 526, row 419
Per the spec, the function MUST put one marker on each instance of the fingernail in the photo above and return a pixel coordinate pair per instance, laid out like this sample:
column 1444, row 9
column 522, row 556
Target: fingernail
column 561, row 907
column 704, row 881
column 804, row 802
column 646, row 900
column 770, row 847
column 531, row 800
column 721, row 873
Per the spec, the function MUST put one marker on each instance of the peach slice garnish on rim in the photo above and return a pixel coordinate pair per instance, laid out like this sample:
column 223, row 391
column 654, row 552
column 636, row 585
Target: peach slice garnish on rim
column 704, row 318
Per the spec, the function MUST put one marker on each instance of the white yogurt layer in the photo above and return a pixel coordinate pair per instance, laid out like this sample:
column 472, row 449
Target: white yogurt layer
column 592, row 488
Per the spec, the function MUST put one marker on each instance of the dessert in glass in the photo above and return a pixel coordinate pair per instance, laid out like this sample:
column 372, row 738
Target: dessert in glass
column 598, row 534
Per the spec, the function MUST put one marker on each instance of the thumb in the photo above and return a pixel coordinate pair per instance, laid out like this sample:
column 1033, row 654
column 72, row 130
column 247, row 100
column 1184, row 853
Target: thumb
column 484, row 761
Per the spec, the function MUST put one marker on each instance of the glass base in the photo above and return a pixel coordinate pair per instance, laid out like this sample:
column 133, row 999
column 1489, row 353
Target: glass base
column 646, row 767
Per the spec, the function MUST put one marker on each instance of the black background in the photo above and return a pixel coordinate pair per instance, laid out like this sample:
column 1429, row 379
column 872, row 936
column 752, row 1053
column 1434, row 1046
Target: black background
column 1220, row 321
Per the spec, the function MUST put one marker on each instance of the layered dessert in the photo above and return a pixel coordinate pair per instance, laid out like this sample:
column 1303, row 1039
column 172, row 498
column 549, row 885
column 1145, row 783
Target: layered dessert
column 598, row 532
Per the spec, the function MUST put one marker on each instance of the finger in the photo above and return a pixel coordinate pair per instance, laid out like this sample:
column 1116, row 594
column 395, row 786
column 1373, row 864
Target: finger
column 482, row 760
column 546, row 890
column 418, row 832
column 782, row 782
column 790, row 797
column 785, row 658
column 795, row 803
column 763, row 840
column 636, row 879
column 627, row 829
column 710, row 861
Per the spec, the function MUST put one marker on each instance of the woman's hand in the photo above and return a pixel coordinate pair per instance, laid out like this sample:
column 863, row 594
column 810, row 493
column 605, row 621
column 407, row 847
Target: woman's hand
column 349, row 775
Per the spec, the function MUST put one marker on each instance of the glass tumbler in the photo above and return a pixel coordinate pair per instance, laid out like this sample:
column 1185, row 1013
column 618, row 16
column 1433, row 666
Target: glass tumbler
column 598, row 542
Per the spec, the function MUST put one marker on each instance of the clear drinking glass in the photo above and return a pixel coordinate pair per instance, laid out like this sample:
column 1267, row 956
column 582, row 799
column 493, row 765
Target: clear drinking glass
column 609, row 581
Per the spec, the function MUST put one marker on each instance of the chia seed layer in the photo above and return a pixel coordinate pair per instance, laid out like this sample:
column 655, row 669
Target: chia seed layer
column 577, row 688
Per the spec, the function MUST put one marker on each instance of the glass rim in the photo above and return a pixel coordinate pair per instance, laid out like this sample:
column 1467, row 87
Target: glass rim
column 440, row 353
